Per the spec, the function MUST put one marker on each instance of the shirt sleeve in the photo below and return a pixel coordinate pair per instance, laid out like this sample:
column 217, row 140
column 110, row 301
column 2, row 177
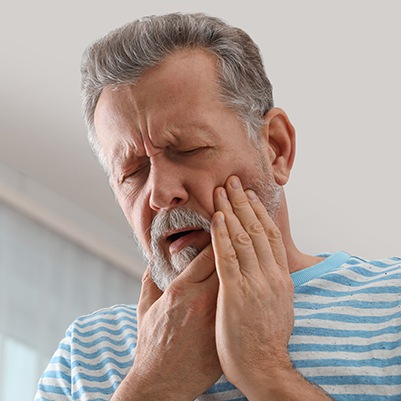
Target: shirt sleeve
column 55, row 382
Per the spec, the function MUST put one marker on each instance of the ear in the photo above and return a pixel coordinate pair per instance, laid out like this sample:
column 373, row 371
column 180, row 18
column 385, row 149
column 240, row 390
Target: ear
column 279, row 134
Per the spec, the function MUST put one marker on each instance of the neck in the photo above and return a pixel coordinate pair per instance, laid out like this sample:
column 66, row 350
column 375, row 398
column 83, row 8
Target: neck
column 296, row 259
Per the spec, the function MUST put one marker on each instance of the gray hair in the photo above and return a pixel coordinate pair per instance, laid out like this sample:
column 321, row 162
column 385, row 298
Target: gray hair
column 123, row 55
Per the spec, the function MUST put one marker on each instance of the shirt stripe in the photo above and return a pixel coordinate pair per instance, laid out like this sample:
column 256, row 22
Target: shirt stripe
column 346, row 338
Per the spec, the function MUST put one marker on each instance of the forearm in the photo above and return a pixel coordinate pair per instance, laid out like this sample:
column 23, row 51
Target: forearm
column 284, row 385
column 135, row 388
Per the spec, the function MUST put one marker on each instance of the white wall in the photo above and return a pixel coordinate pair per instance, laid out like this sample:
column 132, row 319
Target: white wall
column 46, row 281
column 71, row 221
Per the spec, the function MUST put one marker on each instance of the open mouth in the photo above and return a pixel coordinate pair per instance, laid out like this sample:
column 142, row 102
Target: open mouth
column 174, row 237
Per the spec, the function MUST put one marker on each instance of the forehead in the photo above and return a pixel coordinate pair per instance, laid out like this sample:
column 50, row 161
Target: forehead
column 179, row 93
column 184, row 76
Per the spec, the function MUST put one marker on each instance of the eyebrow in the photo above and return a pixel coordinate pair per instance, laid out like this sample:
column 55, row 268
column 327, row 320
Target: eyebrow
column 200, row 130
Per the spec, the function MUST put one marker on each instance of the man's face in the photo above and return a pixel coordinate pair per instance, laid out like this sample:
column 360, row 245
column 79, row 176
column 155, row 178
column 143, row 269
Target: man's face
column 169, row 142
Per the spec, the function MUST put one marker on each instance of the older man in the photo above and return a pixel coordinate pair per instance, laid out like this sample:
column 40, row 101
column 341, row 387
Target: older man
column 180, row 114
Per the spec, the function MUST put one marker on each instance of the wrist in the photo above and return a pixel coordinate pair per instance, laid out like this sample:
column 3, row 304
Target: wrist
column 135, row 387
column 280, row 383
column 267, row 382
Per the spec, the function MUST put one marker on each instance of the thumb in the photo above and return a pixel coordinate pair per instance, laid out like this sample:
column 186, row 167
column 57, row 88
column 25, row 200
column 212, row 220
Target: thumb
column 150, row 293
column 201, row 268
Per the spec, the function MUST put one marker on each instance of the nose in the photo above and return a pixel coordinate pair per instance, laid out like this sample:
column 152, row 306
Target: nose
column 167, row 187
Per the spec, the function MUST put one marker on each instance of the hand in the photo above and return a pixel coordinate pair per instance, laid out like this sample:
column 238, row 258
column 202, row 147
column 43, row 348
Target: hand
column 176, row 355
column 255, row 312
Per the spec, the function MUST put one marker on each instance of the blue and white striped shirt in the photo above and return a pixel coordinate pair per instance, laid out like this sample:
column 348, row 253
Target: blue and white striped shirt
column 346, row 338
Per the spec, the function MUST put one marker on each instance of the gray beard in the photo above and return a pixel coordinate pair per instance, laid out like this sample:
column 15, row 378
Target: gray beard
column 163, row 268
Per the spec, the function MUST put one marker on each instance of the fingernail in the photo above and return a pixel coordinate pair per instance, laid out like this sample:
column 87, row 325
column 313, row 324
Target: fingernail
column 223, row 193
column 251, row 195
column 235, row 183
column 219, row 216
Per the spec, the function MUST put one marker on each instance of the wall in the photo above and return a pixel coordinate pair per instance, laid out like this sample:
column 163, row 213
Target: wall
column 46, row 281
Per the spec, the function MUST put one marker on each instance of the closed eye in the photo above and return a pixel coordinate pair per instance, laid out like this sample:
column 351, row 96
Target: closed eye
column 193, row 151
column 135, row 173
column 190, row 151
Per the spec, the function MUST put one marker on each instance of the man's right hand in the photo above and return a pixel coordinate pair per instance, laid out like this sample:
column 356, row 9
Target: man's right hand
column 176, row 355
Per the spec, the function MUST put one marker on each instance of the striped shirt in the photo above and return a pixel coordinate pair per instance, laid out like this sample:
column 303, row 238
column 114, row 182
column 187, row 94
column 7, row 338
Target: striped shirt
column 346, row 338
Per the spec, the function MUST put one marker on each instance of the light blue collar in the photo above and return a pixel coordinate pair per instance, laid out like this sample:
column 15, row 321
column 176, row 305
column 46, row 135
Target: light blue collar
column 331, row 262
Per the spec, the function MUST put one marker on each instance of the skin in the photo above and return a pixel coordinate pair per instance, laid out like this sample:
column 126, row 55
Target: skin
column 171, row 142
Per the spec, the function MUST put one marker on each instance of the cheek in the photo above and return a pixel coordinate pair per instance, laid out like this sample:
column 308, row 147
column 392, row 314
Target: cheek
column 248, row 178
column 201, row 192
column 140, row 216
column 247, row 172
column 136, row 210
column 140, row 219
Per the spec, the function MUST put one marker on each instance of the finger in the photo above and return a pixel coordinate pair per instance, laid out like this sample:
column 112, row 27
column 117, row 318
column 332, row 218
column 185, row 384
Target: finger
column 227, row 265
column 246, row 232
column 240, row 240
column 201, row 268
column 270, row 228
column 243, row 210
column 150, row 293
column 238, row 202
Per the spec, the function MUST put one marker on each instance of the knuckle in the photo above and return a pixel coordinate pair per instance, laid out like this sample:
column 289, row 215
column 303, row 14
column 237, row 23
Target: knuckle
column 256, row 228
column 229, row 257
column 243, row 239
column 240, row 203
column 274, row 233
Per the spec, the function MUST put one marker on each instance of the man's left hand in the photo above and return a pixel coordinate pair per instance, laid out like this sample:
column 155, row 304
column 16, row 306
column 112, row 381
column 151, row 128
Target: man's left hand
column 255, row 312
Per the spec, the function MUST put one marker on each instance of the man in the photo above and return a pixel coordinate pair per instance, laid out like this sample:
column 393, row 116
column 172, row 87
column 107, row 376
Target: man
column 180, row 114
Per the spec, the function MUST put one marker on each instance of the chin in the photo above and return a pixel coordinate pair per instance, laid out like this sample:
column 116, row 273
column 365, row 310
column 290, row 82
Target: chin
column 163, row 271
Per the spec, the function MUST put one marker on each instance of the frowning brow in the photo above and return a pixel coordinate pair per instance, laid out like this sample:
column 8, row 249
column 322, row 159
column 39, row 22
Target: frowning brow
column 184, row 134
column 131, row 150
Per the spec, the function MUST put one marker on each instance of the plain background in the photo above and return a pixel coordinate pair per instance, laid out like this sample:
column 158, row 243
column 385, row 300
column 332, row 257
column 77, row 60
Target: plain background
column 335, row 68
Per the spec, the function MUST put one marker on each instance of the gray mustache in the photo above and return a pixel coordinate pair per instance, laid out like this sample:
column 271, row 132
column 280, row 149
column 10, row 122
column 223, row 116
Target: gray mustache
column 176, row 219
